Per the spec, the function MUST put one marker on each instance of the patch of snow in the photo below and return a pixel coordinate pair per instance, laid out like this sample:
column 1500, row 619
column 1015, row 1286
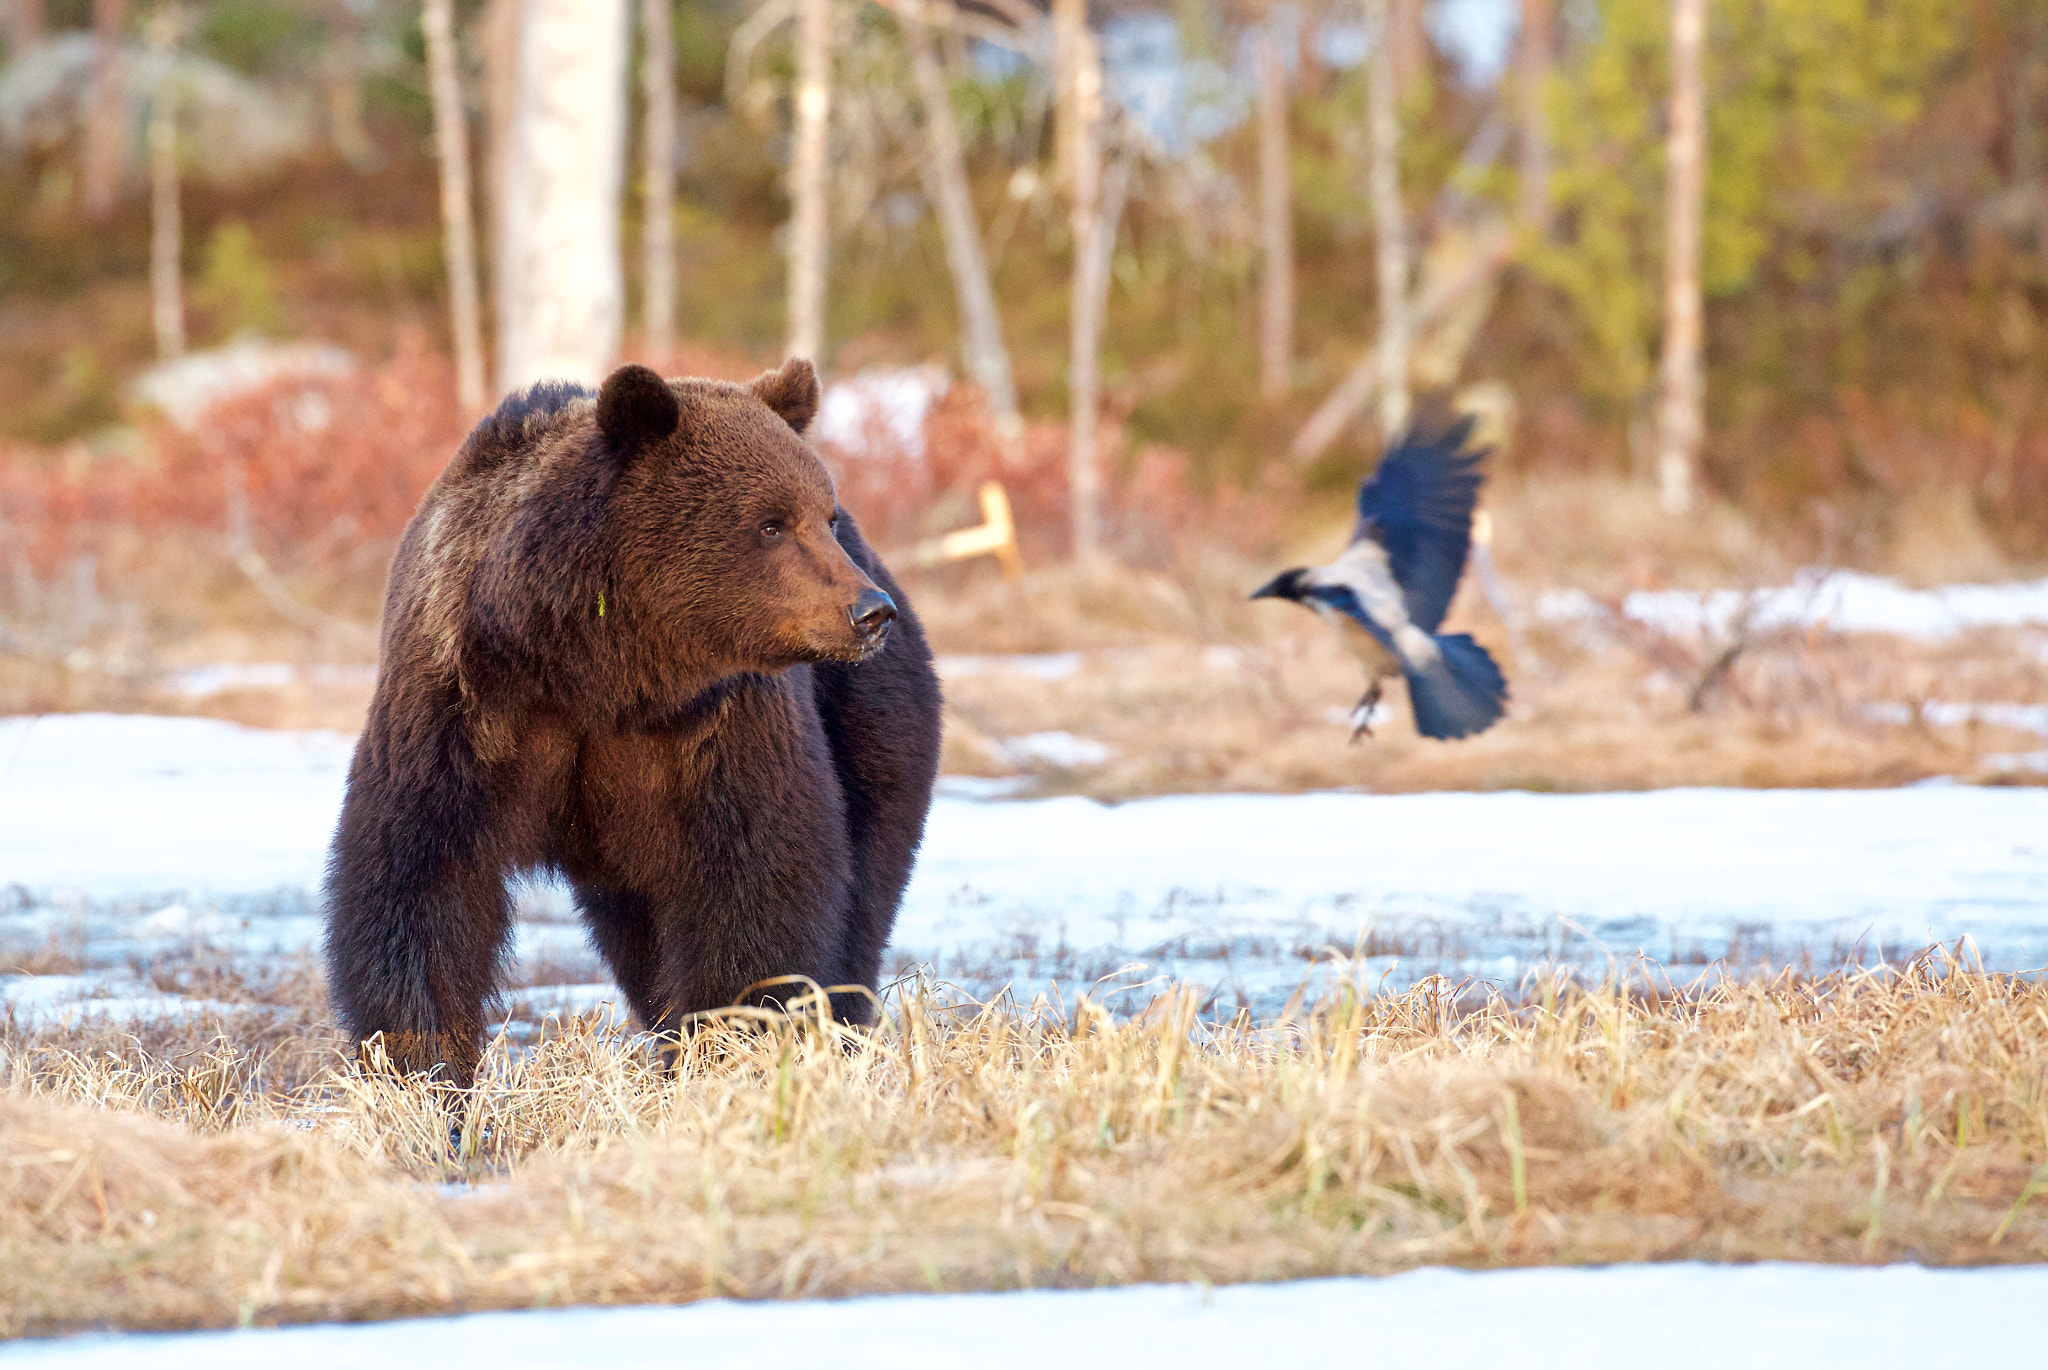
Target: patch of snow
column 1569, row 605
column 574, row 999
column 1037, row 665
column 981, row 788
column 108, row 821
column 885, row 405
column 2024, row 718
column 1051, row 749
column 1771, row 1316
column 199, row 682
column 1843, row 602
column 117, row 804
column 186, row 388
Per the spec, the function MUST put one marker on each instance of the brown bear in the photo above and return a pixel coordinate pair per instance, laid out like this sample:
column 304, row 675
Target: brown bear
column 631, row 639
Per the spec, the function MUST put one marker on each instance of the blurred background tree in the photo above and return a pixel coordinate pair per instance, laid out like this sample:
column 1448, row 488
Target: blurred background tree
column 1873, row 259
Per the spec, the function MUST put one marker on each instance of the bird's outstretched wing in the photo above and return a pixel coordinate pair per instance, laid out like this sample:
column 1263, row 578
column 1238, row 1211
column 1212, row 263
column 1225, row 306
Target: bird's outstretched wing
column 1418, row 505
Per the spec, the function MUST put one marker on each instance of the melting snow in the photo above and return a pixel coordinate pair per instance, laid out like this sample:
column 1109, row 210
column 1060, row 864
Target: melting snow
column 1843, row 601
column 1763, row 1316
column 127, row 836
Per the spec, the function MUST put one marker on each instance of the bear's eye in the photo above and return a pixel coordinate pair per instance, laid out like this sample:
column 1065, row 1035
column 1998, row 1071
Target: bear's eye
column 772, row 529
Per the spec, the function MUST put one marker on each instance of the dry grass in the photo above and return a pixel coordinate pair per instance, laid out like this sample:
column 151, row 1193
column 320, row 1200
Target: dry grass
column 1193, row 689
column 1857, row 1117
column 1219, row 695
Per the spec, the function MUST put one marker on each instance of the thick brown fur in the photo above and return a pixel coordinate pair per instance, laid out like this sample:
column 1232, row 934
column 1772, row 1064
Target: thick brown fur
column 619, row 645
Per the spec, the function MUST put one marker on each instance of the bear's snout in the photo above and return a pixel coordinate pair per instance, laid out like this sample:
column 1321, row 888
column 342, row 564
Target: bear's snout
column 870, row 616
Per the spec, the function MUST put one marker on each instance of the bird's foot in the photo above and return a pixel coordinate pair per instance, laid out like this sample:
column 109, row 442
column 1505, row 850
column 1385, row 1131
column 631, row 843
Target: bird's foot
column 1361, row 713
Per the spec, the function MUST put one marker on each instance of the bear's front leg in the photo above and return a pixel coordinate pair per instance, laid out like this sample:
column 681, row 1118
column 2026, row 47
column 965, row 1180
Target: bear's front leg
column 417, row 927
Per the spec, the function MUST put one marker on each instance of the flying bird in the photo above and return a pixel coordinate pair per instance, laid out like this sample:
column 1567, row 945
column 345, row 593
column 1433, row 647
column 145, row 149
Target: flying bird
column 1388, row 592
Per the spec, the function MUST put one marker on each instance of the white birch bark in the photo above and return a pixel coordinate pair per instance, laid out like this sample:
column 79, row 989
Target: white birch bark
column 1384, row 135
column 27, row 21
column 1681, row 389
column 1069, row 29
column 1532, row 77
column 1276, row 219
column 809, row 221
column 563, row 287
column 166, row 228
column 99, row 174
column 458, row 230
column 658, row 175
column 1088, row 299
column 945, row 163
column 498, row 38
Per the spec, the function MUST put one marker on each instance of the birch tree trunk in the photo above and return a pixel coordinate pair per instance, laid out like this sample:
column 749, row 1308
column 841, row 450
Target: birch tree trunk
column 27, row 21
column 809, row 238
column 458, row 231
column 166, row 230
column 1384, row 136
column 99, row 175
column 1533, row 78
column 1680, row 422
column 1088, row 300
column 658, row 175
column 562, row 285
column 498, row 37
column 340, row 72
column 945, row 168
column 1276, row 218
column 1069, row 28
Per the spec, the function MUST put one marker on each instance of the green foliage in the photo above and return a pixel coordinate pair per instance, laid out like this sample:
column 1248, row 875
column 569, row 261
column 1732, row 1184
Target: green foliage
column 703, row 28
column 236, row 286
column 1799, row 95
column 258, row 37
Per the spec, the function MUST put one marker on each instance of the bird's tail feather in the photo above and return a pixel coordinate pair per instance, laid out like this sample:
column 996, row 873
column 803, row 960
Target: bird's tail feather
column 1461, row 693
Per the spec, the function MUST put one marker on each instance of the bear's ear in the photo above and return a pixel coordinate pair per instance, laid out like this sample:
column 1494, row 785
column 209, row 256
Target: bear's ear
column 791, row 392
column 635, row 407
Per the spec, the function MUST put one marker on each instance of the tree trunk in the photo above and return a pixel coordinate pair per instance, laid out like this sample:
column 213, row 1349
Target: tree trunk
column 1276, row 218
column 27, row 22
column 1384, row 134
column 658, row 176
column 1533, row 78
column 1069, row 29
column 166, row 231
column 458, row 233
column 100, row 161
column 945, row 174
column 1681, row 387
column 498, row 35
column 1409, row 39
column 1439, row 298
column 563, row 284
column 341, row 72
column 1092, row 238
column 809, row 237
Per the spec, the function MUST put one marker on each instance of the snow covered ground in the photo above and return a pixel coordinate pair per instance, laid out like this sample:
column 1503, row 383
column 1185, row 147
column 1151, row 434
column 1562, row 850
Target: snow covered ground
column 1841, row 601
column 1680, row 1316
column 124, row 836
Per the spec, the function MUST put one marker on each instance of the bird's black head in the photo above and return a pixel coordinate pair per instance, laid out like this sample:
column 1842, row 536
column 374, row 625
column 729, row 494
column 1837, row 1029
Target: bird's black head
column 1286, row 585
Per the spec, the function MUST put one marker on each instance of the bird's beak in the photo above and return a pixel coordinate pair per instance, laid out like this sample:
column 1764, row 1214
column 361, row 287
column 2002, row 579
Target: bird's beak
column 1276, row 588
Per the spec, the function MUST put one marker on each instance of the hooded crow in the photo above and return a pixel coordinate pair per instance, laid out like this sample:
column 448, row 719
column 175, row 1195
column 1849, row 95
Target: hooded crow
column 1393, row 584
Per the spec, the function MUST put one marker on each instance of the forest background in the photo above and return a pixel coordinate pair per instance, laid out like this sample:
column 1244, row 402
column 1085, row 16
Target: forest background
column 1872, row 260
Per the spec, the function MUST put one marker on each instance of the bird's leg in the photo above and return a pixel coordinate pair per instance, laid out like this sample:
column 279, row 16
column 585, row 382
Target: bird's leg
column 1362, row 713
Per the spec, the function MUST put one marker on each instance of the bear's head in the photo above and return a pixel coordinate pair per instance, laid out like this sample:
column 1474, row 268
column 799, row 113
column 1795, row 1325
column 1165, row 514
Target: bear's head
column 725, row 521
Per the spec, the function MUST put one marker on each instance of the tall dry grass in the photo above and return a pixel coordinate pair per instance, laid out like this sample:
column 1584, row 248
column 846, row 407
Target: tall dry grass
column 1870, row 1116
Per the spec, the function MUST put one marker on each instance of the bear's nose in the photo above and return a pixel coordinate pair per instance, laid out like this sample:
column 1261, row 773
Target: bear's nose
column 871, row 614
